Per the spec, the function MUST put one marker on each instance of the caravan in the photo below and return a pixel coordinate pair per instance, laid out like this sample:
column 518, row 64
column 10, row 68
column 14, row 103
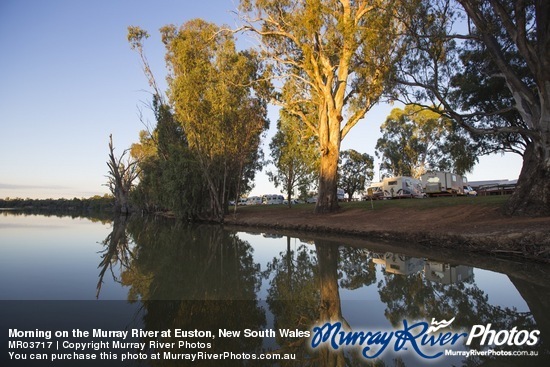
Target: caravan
column 253, row 200
column 396, row 187
column 272, row 199
column 442, row 183
column 403, row 187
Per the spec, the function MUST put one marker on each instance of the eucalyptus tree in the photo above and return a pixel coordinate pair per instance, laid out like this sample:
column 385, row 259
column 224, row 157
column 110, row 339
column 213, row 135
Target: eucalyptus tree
column 516, row 36
column 169, row 178
column 356, row 169
column 209, row 125
column 332, row 59
column 212, row 88
column 294, row 156
column 415, row 139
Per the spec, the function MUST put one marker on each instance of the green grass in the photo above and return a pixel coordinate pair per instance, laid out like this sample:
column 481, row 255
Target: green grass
column 417, row 204
column 429, row 203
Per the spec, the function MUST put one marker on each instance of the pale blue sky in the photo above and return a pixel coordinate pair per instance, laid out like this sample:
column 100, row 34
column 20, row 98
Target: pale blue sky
column 68, row 79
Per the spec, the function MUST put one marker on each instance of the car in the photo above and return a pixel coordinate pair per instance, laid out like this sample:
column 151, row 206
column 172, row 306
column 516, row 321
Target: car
column 469, row 191
column 311, row 200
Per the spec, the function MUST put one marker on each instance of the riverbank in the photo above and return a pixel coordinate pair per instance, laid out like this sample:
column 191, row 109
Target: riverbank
column 470, row 224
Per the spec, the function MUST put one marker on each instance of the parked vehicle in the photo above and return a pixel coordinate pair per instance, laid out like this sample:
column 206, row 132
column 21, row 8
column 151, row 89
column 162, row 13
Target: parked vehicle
column 375, row 191
column 396, row 187
column 311, row 197
column 340, row 193
column 242, row 202
column 442, row 183
column 469, row 191
column 254, row 200
column 272, row 199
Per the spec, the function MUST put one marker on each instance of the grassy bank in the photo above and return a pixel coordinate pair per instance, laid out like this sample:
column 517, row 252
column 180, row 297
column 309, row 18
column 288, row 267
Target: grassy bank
column 472, row 224
column 377, row 205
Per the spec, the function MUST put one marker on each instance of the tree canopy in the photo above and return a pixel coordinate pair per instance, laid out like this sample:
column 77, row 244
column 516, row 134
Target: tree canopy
column 415, row 140
column 516, row 37
column 333, row 63
column 208, row 133
column 356, row 169
column 294, row 156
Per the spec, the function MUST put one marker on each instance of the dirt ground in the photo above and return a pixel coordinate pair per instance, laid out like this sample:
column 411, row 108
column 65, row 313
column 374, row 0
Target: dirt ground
column 475, row 228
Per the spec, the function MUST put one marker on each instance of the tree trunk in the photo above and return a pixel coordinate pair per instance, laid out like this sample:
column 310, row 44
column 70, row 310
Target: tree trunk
column 289, row 197
column 538, row 301
column 330, row 307
column 121, row 201
column 532, row 194
column 327, row 200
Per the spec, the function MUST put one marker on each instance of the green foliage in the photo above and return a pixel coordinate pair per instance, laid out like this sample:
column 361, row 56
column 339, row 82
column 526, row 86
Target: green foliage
column 415, row 140
column 220, row 106
column 479, row 87
column 334, row 63
column 205, row 147
column 463, row 72
column 355, row 171
column 96, row 206
column 295, row 156
column 170, row 177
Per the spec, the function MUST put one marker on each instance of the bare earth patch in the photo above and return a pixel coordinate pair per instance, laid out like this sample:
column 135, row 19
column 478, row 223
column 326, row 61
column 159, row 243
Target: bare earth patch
column 476, row 228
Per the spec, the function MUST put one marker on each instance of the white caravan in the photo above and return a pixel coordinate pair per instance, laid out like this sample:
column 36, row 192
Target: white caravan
column 396, row 187
column 272, row 199
column 253, row 200
column 442, row 183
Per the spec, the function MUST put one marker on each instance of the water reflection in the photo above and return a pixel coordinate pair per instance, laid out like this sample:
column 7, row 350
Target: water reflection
column 211, row 280
column 116, row 251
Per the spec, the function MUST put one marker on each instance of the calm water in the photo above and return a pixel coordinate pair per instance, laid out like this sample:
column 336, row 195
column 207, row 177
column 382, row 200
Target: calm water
column 173, row 275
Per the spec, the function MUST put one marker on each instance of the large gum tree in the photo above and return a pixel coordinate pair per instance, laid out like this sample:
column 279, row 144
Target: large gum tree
column 516, row 37
column 332, row 59
column 213, row 89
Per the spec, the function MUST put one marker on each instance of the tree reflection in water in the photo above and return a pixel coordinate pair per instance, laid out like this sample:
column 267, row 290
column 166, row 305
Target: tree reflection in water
column 116, row 251
column 205, row 278
column 194, row 277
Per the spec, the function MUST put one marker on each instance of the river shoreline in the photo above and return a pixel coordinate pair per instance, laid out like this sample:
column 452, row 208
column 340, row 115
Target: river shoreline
column 470, row 228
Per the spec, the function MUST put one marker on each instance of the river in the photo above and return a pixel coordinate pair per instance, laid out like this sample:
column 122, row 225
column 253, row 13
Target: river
column 271, row 290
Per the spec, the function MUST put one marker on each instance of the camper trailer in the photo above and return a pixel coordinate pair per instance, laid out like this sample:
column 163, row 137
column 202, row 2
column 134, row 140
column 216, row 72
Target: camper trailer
column 253, row 200
column 442, row 183
column 272, row 199
column 396, row 187
column 375, row 191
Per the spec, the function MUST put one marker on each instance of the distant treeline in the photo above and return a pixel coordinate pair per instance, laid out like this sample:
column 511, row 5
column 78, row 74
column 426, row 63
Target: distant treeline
column 93, row 204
